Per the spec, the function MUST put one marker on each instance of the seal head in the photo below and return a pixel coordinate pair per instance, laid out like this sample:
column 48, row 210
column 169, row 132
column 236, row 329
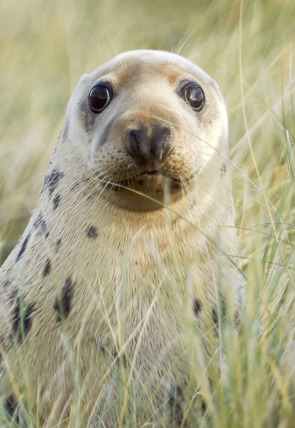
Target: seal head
column 148, row 122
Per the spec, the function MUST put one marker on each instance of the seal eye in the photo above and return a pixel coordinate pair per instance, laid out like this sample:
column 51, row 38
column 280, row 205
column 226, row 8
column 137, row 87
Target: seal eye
column 99, row 97
column 194, row 96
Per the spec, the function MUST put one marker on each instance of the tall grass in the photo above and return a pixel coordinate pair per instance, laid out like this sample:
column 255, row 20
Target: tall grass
column 249, row 48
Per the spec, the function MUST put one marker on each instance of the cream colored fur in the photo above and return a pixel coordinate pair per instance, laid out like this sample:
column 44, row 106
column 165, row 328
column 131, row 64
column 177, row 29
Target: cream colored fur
column 134, row 284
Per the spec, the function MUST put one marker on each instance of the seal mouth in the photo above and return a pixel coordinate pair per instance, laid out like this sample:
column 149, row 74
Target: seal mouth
column 144, row 191
column 153, row 180
column 148, row 175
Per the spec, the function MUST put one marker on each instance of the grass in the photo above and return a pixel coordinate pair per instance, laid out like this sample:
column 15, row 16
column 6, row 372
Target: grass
column 249, row 48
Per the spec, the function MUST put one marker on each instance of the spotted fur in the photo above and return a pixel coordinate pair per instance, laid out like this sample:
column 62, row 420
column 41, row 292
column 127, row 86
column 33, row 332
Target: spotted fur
column 92, row 232
column 22, row 319
column 223, row 169
column 52, row 180
column 23, row 247
column 214, row 316
column 197, row 307
column 47, row 268
column 11, row 406
column 40, row 223
column 56, row 202
column 58, row 243
column 63, row 304
column 124, row 256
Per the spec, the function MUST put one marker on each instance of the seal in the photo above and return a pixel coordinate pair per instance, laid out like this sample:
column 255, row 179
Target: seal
column 126, row 260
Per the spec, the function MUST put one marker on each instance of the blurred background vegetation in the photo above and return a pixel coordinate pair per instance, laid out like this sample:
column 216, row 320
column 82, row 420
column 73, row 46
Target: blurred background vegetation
column 248, row 47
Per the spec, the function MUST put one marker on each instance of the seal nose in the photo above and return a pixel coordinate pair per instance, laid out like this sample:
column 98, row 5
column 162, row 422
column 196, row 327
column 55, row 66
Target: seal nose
column 150, row 147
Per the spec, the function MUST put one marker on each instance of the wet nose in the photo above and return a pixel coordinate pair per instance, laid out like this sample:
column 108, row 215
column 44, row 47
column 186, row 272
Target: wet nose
column 149, row 146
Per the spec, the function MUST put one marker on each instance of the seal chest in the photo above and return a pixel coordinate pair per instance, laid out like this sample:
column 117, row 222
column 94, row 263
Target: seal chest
column 126, row 250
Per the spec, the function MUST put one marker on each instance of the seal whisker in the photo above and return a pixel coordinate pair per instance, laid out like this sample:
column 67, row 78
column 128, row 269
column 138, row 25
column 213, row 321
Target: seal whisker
column 182, row 45
column 183, row 181
column 223, row 155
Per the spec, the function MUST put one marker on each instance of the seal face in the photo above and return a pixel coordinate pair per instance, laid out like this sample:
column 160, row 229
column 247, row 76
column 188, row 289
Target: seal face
column 127, row 247
column 153, row 121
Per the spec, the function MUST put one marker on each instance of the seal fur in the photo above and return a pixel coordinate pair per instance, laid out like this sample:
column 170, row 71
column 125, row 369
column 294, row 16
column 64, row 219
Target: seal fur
column 119, row 259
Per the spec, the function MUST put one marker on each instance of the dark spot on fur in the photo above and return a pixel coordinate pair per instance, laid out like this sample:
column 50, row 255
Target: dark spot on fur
column 174, row 402
column 223, row 169
column 56, row 201
column 63, row 305
column 214, row 316
column 92, row 232
column 203, row 407
column 23, row 247
column 52, row 180
column 47, row 234
column 122, row 359
column 22, row 319
column 65, row 130
column 7, row 283
column 40, row 223
column 11, row 405
column 197, row 307
column 58, row 243
column 13, row 296
column 47, row 268
column 76, row 185
column 173, row 223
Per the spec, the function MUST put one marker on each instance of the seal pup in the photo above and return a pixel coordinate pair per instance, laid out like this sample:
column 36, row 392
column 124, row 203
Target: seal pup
column 126, row 256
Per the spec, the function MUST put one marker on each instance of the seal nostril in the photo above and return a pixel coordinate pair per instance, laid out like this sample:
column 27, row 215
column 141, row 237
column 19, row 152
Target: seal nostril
column 149, row 148
column 132, row 148
column 139, row 144
column 160, row 142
